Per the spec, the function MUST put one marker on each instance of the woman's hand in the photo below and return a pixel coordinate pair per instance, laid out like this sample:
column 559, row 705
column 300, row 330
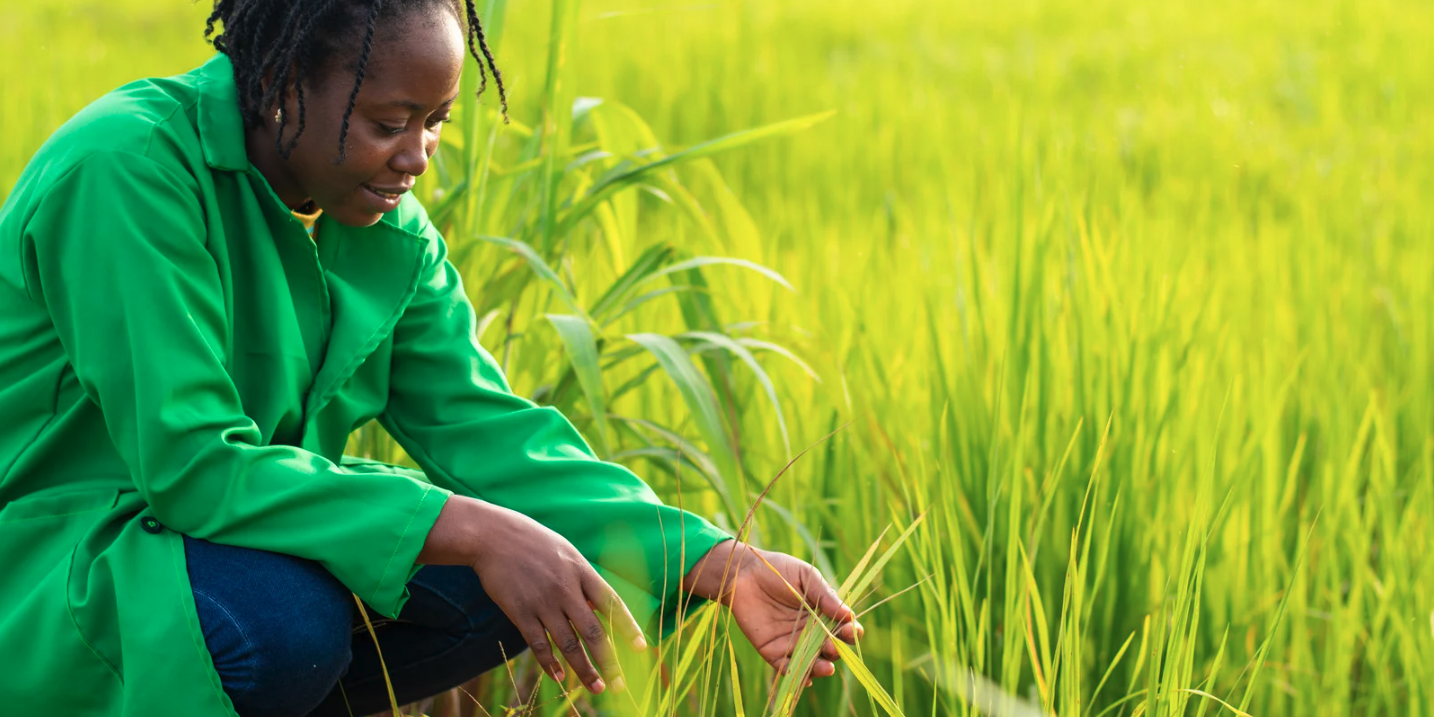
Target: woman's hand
column 540, row 581
column 765, row 607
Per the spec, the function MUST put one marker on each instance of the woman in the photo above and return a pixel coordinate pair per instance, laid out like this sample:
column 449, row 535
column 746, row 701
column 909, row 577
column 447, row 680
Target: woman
column 181, row 363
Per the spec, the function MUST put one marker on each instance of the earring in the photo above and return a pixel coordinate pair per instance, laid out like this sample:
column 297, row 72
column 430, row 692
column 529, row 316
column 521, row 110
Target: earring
column 279, row 115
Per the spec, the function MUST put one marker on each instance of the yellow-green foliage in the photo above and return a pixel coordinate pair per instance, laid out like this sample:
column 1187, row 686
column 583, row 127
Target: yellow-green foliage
column 1132, row 300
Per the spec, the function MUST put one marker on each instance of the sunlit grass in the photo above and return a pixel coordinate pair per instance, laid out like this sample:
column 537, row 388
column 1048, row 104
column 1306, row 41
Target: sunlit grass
column 1131, row 301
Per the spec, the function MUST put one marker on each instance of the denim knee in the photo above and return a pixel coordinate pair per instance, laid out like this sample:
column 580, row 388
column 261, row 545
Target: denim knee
column 449, row 632
column 278, row 627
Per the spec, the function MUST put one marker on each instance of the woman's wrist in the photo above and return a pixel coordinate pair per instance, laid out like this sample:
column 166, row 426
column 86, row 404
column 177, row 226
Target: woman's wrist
column 455, row 537
column 713, row 576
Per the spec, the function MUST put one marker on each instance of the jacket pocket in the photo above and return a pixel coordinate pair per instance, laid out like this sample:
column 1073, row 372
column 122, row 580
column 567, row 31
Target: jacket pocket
column 38, row 535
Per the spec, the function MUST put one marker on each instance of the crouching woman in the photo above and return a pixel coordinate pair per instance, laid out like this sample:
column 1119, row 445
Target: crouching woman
column 206, row 283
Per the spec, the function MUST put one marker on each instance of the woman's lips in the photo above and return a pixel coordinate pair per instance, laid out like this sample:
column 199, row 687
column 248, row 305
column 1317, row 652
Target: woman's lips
column 384, row 200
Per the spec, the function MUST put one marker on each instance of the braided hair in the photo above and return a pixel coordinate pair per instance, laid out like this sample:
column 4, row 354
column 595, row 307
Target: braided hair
column 289, row 42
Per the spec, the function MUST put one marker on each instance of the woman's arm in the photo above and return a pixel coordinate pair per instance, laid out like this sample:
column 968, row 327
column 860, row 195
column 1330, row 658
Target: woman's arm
column 116, row 252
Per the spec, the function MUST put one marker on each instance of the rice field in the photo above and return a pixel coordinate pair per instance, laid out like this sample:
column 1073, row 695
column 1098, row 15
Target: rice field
column 1101, row 333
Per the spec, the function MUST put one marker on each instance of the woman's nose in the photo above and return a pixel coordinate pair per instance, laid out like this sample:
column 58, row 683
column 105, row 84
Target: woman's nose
column 412, row 158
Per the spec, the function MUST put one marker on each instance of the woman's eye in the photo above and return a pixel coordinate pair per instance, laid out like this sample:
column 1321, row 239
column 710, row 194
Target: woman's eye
column 438, row 121
column 391, row 130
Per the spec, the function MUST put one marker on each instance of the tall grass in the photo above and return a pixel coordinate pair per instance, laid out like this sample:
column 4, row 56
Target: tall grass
column 1131, row 302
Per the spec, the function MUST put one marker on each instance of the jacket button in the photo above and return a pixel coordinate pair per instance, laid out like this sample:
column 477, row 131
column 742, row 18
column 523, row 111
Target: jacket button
column 150, row 525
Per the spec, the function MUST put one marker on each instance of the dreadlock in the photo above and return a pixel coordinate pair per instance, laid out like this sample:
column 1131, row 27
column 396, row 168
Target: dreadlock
column 281, row 45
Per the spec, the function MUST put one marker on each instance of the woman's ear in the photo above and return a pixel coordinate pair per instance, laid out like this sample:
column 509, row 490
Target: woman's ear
column 280, row 118
column 285, row 103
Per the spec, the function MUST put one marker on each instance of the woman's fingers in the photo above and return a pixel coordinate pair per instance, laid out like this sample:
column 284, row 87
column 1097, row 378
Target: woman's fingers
column 819, row 668
column 537, row 638
column 609, row 605
column 821, row 596
column 850, row 632
column 590, row 628
column 541, row 581
column 568, row 627
column 572, row 648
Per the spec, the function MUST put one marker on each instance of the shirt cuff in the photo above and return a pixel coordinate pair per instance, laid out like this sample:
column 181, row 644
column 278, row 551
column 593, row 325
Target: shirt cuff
column 392, row 591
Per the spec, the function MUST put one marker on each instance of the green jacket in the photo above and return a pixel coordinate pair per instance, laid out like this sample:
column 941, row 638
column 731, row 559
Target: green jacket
column 177, row 357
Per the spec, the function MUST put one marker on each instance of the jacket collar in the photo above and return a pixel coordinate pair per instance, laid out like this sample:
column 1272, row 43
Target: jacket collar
column 221, row 128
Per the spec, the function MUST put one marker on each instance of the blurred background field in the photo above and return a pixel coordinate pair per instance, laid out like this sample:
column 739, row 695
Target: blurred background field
column 1130, row 300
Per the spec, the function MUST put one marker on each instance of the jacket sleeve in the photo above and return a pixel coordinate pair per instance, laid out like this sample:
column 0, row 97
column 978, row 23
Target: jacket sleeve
column 452, row 410
column 119, row 248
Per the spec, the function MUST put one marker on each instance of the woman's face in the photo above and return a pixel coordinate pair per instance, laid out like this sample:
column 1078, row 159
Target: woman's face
column 409, row 86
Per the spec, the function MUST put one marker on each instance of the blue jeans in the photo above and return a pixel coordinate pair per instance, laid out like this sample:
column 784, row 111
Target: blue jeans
column 285, row 635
